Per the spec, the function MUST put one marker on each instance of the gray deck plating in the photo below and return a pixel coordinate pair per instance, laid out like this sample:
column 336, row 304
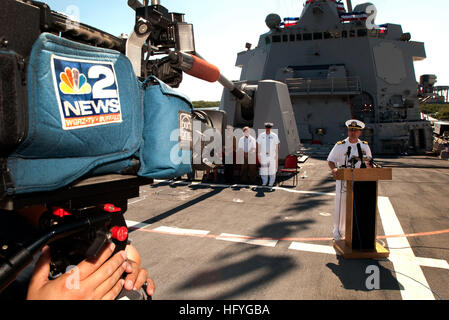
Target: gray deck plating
column 187, row 261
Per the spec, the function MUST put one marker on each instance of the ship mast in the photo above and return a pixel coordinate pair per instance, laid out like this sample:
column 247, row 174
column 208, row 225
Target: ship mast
column 349, row 5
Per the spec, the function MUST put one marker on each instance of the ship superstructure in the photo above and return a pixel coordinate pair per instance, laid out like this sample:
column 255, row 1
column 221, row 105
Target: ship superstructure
column 339, row 65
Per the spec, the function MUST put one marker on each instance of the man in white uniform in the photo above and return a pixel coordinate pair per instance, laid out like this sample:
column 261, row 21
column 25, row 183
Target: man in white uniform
column 269, row 147
column 247, row 150
column 340, row 157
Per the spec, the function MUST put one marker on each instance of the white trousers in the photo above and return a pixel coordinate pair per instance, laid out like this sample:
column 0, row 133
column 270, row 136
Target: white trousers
column 340, row 210
column 265, row 180
column 268, row 169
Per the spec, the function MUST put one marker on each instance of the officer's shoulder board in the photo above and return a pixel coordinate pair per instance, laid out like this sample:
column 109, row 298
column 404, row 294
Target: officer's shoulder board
column 365, row 142
column 341, row 142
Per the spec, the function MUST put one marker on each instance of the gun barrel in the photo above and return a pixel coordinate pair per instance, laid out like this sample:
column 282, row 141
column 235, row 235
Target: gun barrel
column 244, row 99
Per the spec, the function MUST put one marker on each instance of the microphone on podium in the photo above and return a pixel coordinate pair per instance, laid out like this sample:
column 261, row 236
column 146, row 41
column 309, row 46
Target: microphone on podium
column 348, row 154
column 359, row 148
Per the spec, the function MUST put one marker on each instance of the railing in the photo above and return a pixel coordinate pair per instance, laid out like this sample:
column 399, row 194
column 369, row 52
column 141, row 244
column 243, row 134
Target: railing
column 331, row 86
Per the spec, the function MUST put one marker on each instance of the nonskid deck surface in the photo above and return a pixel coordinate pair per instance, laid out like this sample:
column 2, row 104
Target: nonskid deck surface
column 215, row 241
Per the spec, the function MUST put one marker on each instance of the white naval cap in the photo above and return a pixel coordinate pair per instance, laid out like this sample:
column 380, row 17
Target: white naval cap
column 355, row 124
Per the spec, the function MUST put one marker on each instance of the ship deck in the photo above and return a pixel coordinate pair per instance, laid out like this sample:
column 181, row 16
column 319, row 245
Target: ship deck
column 204, row 241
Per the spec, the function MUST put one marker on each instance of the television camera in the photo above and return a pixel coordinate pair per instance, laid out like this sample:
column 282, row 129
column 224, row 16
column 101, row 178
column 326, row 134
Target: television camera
column 78, row 220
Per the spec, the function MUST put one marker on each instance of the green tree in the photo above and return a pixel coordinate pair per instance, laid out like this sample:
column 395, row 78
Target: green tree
column 205, row 104
column 439, row 111
column 443, row 114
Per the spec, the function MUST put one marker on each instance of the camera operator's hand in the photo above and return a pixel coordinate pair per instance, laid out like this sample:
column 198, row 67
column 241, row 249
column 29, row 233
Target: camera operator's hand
column 98, row 280
column 137, row 278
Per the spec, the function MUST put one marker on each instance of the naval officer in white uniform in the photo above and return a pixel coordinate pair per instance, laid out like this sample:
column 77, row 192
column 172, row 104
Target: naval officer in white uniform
column 339, row 158
column 269, row 147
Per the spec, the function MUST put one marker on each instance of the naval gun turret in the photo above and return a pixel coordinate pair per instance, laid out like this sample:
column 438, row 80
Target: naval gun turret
column 334, row 63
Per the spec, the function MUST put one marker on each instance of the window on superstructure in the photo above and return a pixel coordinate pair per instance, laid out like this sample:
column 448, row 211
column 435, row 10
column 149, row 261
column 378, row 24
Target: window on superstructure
column 285, row 38
column 352, row 33
column 327, row 35
column 344, row 34
column 292, row 37
column 362, row 32
column 317, row 36
column 373, row 33
column 277, row 38
column 298, row 37
column 307, row 36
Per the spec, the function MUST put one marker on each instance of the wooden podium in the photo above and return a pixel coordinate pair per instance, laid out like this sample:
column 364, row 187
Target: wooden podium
column 361, row 213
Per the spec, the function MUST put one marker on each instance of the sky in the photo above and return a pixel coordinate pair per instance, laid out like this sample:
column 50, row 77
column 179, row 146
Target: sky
column 222, row 28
